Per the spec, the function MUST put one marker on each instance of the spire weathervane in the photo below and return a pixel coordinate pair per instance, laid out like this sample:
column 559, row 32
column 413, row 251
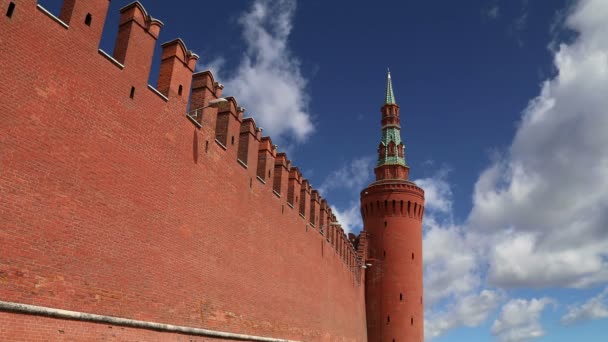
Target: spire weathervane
column 390, row 97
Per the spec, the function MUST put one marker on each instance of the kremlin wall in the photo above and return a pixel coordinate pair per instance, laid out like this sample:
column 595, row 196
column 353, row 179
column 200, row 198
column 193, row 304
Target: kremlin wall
column 137, row 212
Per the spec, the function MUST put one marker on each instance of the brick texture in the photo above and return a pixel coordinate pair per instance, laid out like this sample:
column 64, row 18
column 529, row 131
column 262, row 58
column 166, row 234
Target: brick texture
column 122, row 206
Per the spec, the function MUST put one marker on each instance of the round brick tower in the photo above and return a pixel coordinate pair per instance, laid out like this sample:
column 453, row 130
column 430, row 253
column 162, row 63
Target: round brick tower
column 392, row 208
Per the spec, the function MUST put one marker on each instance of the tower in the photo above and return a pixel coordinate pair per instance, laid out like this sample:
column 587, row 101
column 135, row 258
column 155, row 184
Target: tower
column 392, row 208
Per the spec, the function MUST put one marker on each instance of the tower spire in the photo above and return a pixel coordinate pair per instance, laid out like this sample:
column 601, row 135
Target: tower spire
column 391, row 150
column 390, row 97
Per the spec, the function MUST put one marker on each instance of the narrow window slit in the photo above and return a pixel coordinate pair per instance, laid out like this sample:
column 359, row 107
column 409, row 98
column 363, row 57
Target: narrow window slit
column 132, row 94
column 401, row 296
column 206, row 145
column 88, row 19
column 232, row 140
column 10, row 10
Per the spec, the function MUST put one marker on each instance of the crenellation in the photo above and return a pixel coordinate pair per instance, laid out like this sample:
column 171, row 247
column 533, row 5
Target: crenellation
column 85, row 18
column 52, row 16
column 266, row 159
column 249, row 145
column 137, row 35
column 315, row 208
column 294, row 187
column 203, row 91
column 281, row 173
column 176, row 67
column 305, row 199
column 228, row 125
column 323, row 218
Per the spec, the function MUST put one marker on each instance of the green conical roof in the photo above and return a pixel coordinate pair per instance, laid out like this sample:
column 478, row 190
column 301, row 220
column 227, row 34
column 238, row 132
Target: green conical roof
column 390, row 97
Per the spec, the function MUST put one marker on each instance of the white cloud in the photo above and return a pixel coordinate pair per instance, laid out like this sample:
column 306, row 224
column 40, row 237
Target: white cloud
column 349, row 218
column 450, row 264
column 544, row 206
column 469, row 311
column 437, row 192
column 353, row 175
column 519, row 320
column 595, row 308
column 454, row 295
column 268, row 81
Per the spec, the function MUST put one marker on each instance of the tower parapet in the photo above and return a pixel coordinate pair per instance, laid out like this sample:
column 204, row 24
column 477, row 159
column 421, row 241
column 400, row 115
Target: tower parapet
column 392, row 208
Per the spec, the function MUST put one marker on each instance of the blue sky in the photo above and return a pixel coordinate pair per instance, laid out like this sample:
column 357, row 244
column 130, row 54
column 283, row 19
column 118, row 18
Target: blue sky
column 505, row 121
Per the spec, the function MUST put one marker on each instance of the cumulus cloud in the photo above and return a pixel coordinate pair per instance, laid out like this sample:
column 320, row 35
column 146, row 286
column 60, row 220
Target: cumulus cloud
column 453, row 283
column 595, row 308
column 450, row 262
column 546, row 201
column 437, row 192
column 349, row 218
column 519, row 320
column 469, row 311
column 268, row 81
column 353, row 176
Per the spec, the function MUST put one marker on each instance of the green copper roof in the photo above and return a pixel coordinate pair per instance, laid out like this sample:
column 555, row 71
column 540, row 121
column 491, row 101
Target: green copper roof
column 390, row 97
column 391, row 134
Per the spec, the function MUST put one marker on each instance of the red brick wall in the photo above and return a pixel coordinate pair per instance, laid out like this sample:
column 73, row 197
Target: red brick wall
column 21, row 328
column 114, row 206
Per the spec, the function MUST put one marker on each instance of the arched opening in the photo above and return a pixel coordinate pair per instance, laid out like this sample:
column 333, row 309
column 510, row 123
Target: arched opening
column 88, row 19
